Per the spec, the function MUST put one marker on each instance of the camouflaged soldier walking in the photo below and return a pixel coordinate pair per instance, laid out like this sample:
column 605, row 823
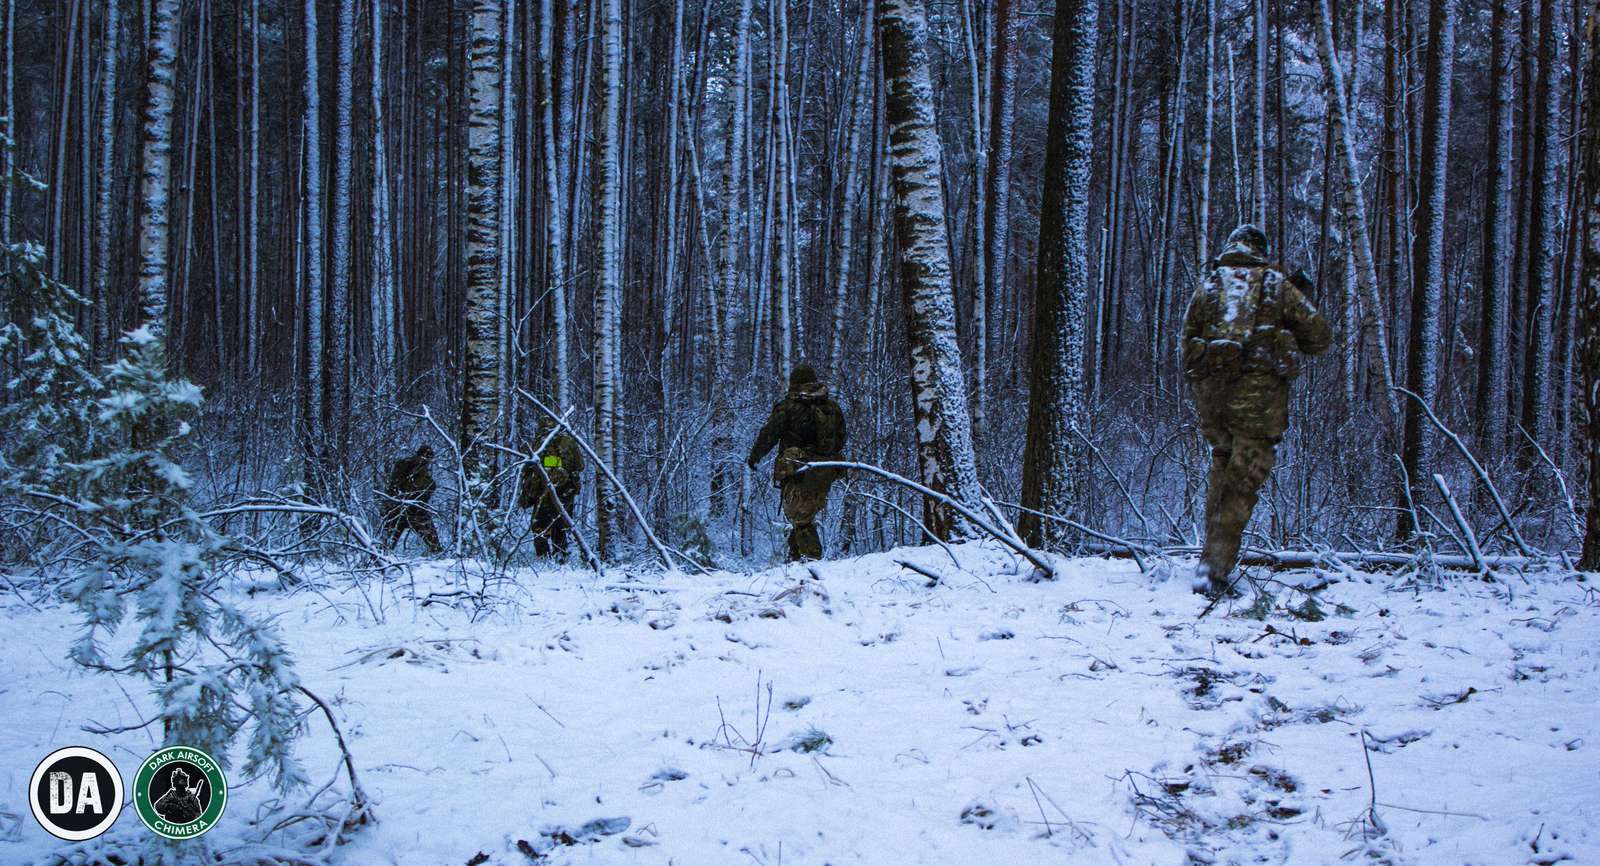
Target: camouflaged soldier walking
column 1244, row 325
column 806, row 425
column 405, row 504
column 550, row 486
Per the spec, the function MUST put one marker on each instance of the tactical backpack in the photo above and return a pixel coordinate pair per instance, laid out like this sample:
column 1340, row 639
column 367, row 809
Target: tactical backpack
column 1242, row 335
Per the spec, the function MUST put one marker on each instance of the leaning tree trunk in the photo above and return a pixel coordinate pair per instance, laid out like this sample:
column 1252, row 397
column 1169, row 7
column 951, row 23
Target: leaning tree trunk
column 1427, row 269
column 1589, row 319
column 944, row 428
column 608, row 294
column 156, row 163
column 481, row 376
column 1354, row 214
column 1052, row 463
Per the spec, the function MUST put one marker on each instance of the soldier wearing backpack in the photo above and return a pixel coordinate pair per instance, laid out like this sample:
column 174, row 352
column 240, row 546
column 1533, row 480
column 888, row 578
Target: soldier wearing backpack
column 1244, row 326
column 806, row 425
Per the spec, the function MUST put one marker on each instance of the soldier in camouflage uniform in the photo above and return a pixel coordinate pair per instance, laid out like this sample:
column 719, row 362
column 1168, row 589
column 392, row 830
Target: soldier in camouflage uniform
column 405, row 503
column 805, row 425
column 1245, row 323
column 550, row 484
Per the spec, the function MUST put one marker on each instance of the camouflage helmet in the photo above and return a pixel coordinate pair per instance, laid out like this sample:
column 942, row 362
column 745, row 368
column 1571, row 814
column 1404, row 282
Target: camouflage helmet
column 802, row 374
column 1249, row 236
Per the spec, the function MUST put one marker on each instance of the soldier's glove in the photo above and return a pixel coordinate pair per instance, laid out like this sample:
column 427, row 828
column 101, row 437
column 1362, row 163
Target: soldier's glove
column 1301, row 280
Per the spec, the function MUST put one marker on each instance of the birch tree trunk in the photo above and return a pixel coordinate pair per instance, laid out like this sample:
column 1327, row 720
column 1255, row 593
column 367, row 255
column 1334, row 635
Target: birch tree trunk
column 608, row 293
column 944, row 426
column 1053, row 460
column 481, row 362
column 315, row 398
column 728, row 301
column 505, row 315
column 253, row 204
column 103, row 214
column 1427, row 271
column 1258, row 179
column 845, row 254
column 8, row 110
column 155, row 163
column 1202, row 217
column 1492, row 374
column 555, row 206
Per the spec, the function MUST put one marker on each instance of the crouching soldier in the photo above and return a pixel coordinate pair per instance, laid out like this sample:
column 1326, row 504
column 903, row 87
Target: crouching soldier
column 806, row 425
column 1244, row 326
column 405, row 503
column 551, row 481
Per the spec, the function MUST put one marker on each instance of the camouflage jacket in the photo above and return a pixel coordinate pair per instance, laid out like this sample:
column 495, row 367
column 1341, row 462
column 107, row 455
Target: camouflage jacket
column 806, row 419
column 410, row 479
column 1248, row 316
column 559, row 466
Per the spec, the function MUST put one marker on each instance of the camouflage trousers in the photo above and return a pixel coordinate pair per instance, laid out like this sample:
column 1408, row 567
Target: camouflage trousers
column 1242, row 419
column 804, row 495
column 550, row 528
column 398, row 518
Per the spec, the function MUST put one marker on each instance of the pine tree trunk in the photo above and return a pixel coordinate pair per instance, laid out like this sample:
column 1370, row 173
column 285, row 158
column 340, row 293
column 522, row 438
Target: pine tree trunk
column 481, row 362
column 339, row 295
column 155, row 163
column 1589, row 310
column 1427, row 271
column 1492, row 398
column 104, row 182
column 1053, row 461
column 1537, row 393
column 315, row 402
column 944, row 427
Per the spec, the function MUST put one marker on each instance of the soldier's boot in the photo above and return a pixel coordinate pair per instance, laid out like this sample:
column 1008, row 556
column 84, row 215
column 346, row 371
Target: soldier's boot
column 421, row 523
column 1247, row 469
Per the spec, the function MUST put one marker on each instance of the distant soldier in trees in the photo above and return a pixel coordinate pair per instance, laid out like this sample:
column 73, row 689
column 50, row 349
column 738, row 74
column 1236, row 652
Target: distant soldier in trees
column 1244, row 325
column 551, row 481
column 405, row 503
column 806, row 425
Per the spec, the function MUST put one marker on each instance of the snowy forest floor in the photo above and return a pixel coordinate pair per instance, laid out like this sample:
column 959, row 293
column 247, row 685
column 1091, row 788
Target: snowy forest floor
column 867, row 717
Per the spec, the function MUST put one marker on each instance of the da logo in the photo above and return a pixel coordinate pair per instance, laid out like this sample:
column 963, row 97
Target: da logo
column 76, row 793
column 179, row 792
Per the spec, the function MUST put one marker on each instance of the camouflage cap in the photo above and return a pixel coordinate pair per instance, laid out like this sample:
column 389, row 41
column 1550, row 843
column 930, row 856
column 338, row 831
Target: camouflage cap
column 1249, row 235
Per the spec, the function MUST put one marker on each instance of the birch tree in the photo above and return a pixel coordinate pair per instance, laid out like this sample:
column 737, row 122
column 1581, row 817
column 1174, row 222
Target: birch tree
column 943, row 425
column 1492, row 372
column 1427, row 271
column 555, row 215
column 1543, row 200
column 845, row 254
column 727, row 301
column 155, row 163
column 997, row 200
column 1052, row 461
column 481, row 363
column 608, row 293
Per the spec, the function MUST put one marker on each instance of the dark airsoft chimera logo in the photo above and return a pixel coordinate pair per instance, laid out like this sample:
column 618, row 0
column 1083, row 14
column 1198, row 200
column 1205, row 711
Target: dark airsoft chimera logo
column 76, row 793
column 180, row 792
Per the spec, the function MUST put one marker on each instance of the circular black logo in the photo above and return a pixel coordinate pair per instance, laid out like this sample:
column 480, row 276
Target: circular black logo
column 76, row 793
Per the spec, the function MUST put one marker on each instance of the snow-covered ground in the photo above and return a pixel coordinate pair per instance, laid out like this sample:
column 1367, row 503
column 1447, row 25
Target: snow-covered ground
column 983, row 720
